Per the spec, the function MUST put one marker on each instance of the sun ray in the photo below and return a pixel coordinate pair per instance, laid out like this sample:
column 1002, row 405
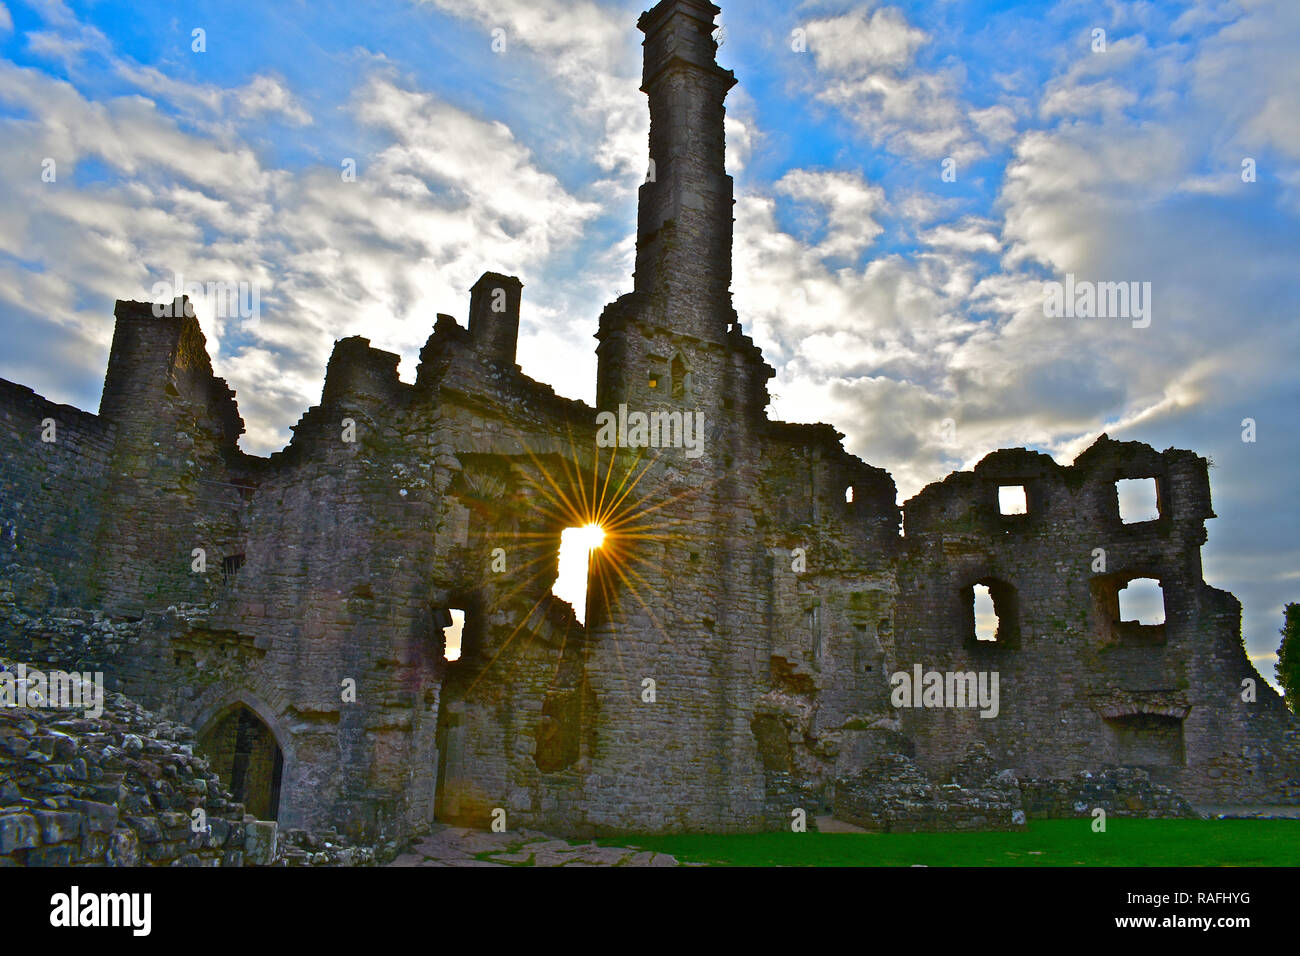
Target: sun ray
column 603, row 502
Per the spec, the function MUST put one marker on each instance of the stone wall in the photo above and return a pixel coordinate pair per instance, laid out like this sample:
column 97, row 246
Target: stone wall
column 121, row 789
column 892, row 795
column 1078, row 686
column 1121, row 792
column 52, row 485
column 118, row 789
column 175, row 463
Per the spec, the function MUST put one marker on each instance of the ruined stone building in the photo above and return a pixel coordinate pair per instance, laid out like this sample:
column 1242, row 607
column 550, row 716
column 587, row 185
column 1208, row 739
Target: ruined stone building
column 744, row 616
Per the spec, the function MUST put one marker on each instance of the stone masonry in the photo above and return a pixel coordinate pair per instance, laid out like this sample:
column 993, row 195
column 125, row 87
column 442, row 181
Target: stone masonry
column 745, row 616
column 117, row 790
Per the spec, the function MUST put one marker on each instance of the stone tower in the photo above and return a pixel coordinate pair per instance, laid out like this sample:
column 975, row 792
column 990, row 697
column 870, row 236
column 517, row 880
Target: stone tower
column 684, row 220
column 673, row 347
column 674, row 343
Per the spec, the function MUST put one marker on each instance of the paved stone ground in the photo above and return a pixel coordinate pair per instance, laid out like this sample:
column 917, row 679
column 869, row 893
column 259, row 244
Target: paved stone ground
column 828, row 824
column 459, row 846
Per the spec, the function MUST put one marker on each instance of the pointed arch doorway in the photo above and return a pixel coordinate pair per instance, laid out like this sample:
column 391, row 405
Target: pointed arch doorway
column 243, row 751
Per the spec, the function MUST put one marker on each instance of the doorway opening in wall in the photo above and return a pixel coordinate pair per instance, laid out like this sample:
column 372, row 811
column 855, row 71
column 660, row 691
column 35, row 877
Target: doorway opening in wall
column 576, row 545
column 450, row 782
column 460, row 629
column 246, row 756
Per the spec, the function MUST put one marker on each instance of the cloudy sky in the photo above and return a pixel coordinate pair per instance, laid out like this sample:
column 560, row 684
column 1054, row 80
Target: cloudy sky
column 510, row 135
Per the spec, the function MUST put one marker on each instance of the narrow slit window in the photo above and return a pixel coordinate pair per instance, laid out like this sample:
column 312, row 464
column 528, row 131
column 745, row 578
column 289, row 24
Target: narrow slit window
column 576, row 545
column 679, row 377
column 986, row 615
column 453, row 635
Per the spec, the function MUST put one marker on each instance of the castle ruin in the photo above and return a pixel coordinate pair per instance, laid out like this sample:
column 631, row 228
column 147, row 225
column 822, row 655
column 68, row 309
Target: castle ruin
column 745, row 614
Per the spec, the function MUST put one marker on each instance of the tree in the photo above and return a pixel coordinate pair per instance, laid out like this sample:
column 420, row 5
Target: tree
column 1288, row 657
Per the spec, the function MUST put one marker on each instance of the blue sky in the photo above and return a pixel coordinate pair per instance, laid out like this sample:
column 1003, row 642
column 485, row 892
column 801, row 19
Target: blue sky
column 888, row 299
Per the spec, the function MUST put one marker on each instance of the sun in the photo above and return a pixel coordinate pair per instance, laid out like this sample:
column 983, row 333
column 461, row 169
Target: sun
column 576, row 545
column 602, row 517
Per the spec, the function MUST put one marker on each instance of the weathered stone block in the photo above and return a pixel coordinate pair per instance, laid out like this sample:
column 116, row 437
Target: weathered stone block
column 58, row 827
column 18, row 831
column 259, row 842
column 123, row 848
column 146, row 828
column 52, row 856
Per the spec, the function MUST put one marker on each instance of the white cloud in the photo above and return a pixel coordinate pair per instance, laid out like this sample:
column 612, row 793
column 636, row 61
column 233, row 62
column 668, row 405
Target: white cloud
column 265, row 94
column 995, row 123
column 1249, row 72
column 970, row 235
column 1085, row 99
column 66, row 38
column 849, row 205
column 445, row 197
column 589, row 49
column 859, row 44
column 202, row 102
column 866, row 65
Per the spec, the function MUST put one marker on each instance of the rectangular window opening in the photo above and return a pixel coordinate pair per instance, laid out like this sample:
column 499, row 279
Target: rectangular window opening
column 230, row 566
column 992, row 612
column 1139, row 500
column 574, row 569
column 1132, row 609
column 1012, row 500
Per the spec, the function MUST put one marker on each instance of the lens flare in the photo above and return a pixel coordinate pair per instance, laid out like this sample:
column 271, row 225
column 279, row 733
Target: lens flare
column 576, row 545
column 612, row 529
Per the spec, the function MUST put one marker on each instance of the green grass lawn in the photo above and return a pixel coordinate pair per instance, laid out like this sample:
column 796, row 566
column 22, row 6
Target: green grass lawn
column 1126, row 842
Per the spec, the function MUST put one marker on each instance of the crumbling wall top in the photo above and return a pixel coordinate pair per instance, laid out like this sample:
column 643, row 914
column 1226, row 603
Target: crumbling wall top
column 968, row 500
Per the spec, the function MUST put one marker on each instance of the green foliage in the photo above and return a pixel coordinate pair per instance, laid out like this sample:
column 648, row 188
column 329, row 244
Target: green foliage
column 484, row 485
column 1288, row 657
column 1126, row 842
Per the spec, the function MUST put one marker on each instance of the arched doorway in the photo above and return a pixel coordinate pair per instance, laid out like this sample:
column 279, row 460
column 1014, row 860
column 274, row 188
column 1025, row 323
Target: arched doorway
column 245, row 754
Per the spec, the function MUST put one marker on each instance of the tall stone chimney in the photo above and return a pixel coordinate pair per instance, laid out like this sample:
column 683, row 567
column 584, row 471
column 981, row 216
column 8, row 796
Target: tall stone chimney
column 684, row 221
column 494, row 316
